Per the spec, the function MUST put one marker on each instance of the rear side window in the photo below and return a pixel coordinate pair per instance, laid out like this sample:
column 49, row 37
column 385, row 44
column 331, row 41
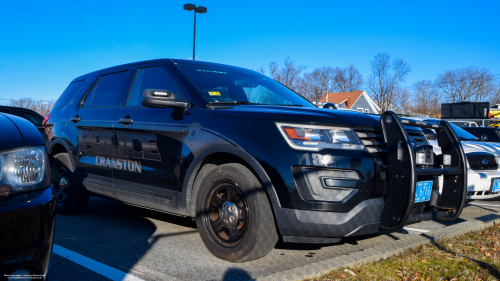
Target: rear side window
column 36, row 120
column 68, row 94
column 106, row 92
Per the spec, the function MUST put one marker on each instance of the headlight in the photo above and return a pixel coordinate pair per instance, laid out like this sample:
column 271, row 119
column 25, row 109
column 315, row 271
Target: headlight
column 315, row 138
column 22, row 170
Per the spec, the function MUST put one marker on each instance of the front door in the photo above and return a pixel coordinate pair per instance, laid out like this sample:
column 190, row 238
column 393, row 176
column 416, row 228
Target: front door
column 150, row 161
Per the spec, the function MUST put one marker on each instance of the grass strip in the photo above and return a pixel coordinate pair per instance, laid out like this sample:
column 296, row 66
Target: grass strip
column 472, row 256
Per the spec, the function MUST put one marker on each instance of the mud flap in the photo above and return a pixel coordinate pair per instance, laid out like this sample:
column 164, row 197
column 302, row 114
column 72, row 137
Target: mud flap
column 403, row 174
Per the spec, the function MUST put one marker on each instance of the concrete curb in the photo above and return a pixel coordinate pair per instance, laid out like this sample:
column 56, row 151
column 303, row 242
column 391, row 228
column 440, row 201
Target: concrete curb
column 383, row 251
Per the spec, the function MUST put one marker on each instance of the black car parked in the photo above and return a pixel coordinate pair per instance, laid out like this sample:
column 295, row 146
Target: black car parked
column 485, row 134
column 28, row 114
column 27, row 204
column 247, row 157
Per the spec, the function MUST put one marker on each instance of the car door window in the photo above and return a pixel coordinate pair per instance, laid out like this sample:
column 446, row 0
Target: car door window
column 106, row 92
column 36, row 120
column 149, row 78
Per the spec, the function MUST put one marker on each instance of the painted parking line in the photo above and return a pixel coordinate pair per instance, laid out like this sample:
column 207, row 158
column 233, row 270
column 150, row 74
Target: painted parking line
column 104, row 270
column 488, row 205
column 416, row 229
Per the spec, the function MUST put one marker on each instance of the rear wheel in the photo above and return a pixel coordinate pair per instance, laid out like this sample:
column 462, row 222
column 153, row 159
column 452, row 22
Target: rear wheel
column 69, row 199
column 233, row 214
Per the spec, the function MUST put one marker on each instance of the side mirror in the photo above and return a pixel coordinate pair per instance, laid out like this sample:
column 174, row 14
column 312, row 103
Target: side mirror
column 329, row 106
column 159, row 98
column 484, row 137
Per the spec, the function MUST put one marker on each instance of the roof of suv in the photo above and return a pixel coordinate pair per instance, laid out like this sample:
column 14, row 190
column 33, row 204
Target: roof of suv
column 179, row 61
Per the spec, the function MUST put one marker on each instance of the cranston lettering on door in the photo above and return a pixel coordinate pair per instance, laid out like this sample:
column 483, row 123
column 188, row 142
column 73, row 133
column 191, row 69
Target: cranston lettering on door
column 113, row 144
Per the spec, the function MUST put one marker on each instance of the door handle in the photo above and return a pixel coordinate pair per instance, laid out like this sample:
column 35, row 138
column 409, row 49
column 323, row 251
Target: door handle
column 125, row 121
column 76, row 119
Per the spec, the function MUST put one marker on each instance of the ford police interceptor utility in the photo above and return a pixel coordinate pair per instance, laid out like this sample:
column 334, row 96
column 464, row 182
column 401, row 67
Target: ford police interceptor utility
column 250, row 159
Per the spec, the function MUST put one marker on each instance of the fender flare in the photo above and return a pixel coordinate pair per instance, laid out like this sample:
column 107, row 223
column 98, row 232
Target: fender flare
column 194, row 167
column 66, row 147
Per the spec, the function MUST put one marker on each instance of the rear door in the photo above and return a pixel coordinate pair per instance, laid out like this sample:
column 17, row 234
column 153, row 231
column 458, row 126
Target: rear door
column 152, row 137
column 94, row 118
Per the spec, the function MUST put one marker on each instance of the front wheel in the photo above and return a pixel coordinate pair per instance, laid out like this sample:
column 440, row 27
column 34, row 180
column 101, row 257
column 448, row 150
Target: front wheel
column 233, row 214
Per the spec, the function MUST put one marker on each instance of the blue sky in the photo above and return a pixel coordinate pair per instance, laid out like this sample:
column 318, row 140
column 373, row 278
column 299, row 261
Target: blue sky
column 45, row 44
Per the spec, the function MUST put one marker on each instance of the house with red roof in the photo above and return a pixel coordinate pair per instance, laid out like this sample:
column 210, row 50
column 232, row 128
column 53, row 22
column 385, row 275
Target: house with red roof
column 358, row 100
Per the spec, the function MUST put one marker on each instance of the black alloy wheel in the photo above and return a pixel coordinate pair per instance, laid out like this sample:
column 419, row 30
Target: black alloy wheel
column 228, row 213
column 70, row 199
column 233, row 214
column 61, row 184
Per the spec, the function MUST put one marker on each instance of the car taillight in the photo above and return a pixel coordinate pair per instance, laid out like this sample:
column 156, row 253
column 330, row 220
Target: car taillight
column 45, row 120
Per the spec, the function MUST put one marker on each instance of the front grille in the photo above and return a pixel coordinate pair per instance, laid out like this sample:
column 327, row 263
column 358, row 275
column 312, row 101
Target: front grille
column 373, row 140
column 482, row 162
column 418, row 136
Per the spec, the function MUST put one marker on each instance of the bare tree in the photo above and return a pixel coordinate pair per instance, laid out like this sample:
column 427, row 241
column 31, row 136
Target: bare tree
column 386, row 77
column 318, row 83
column 43, row 107
column 467, row 84
column 288, row 75
column 427, row 98
column 403, row 99
column 348, row 79
column 495, row 99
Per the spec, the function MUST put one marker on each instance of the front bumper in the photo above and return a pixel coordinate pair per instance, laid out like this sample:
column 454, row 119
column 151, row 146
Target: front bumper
column 384, row 195
column 26, row 233
column 479, row 184
column 311, row 225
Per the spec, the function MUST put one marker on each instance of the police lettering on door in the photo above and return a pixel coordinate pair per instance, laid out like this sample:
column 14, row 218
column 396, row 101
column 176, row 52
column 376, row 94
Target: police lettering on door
column 133, row 145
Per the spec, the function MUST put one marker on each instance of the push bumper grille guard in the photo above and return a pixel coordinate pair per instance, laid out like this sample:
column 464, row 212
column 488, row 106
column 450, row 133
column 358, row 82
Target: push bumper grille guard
column 402, row 174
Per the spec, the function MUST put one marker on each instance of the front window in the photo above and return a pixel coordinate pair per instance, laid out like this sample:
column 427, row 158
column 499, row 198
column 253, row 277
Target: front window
column 226, row 85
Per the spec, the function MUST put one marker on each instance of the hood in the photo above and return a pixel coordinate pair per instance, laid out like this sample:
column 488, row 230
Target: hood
column 10, row 138
column 300, row 115
column 472, row 146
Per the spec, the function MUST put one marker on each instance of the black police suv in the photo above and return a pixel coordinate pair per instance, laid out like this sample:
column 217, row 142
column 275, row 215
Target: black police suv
column 27, row 204
column 248, row 158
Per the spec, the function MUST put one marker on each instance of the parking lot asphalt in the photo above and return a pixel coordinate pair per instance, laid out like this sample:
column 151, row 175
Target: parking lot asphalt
column 112, row 238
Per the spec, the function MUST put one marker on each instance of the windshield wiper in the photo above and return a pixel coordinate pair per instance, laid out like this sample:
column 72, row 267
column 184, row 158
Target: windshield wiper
column 229, row 102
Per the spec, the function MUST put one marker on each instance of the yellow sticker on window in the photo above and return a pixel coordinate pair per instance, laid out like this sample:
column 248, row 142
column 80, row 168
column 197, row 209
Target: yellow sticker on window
column 214, row 93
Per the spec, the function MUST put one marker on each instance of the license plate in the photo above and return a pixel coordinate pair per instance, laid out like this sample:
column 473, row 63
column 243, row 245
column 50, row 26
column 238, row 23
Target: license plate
column 496, row 186
column 423, row 191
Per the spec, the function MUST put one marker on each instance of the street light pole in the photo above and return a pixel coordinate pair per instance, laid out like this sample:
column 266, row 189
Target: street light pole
column 194, row 34
column 199, row 10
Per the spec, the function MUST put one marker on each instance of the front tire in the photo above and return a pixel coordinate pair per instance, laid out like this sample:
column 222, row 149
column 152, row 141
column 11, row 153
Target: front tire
column 233, row 214
column 69, row 198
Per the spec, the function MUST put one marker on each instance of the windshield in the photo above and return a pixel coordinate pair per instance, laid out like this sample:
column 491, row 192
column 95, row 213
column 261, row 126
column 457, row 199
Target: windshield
column 226, row 85
column 462, row 134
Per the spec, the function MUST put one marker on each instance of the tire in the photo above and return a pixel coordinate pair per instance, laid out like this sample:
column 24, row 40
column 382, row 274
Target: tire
column 69, row 198
column 233, row 214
